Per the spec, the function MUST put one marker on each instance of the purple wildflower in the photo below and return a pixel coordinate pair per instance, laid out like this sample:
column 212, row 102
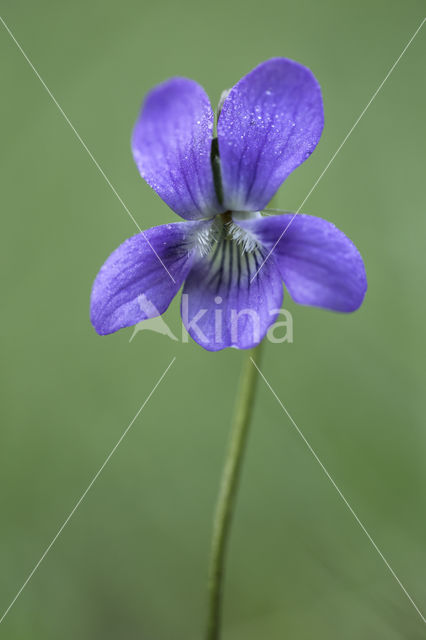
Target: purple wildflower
column 269, row 123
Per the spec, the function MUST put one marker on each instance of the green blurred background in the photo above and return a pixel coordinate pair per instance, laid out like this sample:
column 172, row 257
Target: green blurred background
column 132, row 561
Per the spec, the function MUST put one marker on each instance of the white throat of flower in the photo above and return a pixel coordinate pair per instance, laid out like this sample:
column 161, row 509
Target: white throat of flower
column 225, row 226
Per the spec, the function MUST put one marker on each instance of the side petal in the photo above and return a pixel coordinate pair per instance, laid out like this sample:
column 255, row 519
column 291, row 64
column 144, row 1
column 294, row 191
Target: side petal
column 171, row 145
column 221, row 305
column 320, row 266
column 141, row 277
column 270, row 123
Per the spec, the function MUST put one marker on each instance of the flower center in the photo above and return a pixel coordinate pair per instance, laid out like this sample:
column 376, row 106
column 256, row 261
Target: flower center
column 224, row 229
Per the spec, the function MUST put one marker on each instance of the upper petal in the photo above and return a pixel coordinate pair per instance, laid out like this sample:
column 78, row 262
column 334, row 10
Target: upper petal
column 171, row 145
column 320, row 266
column 141, row 277
column 223, row 305
column 270, row 123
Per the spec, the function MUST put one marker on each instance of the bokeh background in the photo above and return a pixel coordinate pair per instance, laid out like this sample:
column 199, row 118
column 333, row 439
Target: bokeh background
column 132, row 561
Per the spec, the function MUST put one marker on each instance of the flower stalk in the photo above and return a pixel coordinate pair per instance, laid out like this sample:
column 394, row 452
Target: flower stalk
column 228, row 490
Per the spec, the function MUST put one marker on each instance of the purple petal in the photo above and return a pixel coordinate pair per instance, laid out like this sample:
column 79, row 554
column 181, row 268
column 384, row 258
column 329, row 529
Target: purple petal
column 320, row 266
column 171, row 145
column 221, row 306
column 270, row 123
column 135, row 283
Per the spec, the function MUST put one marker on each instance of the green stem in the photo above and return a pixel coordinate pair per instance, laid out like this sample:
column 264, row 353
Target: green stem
column 228, row 490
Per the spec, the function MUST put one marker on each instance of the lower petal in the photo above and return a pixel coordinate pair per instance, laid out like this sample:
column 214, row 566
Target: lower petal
column 141, row 277
column 320, row 266
column 224, row 304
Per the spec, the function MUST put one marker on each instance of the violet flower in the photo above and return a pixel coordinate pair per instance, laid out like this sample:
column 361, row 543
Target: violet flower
column 269, row 123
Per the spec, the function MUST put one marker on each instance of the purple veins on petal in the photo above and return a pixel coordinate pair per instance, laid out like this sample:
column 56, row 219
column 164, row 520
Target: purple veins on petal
column 222, row 304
